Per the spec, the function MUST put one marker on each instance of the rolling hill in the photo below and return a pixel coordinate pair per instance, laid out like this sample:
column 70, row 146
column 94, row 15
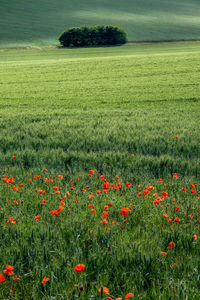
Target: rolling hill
column 40, row 22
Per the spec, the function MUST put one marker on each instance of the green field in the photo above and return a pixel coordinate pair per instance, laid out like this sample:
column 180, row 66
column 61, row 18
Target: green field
column 40, row 22
column 131, row 112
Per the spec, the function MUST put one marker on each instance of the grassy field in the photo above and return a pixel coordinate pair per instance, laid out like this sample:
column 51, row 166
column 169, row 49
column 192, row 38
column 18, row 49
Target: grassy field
column 40, row 22
column 67, row 117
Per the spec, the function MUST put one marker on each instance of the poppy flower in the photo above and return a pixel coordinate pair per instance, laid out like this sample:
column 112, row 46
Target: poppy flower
column 13, row 157
column 171, row 245
column 45, row 279
column 164, row 194
column 8, row 270
column 2, row 278
column 105, row 290
column 56, row 188
column 37, row 218
column 128, row 184
column 163, row 253
column 193, row 191
column 54, row 213
column 125, row 211
column 176, row 220
column 128, row 296
column 195, row 237
column 16, row 278
column 175, row 176
column 174, row 265
column 79, row 268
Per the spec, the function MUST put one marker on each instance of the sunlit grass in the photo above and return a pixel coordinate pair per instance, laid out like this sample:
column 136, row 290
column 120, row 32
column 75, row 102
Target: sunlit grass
column 131, row 113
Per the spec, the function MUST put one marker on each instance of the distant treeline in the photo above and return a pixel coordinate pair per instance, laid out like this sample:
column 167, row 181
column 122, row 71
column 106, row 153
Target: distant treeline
column 93, row 36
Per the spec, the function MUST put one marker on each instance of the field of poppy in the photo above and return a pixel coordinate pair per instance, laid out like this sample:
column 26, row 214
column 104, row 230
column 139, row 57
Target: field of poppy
column 100, row 178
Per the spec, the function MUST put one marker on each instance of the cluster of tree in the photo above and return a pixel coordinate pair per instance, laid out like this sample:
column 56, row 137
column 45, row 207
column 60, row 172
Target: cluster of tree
column 93, row 36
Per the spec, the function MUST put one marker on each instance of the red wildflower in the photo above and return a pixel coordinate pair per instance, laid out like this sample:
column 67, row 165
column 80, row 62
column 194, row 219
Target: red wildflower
column 37, row 218
column 54, row 213
column 176, row 220
column 193, row 191
column 105, row 290
column 16, row 278
column 171, row 245
column 79, row 268
column 164, row 194
column 2, row 278
column 90, row 205
column 8, row 270
column 125, row 211
column 194, row 237
column 56, row 188
column 14, row 157
column 128, row 296
column 45, row 279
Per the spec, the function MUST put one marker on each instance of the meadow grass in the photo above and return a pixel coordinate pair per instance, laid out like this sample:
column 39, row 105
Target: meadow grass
column 41, row 22
column 130, row 113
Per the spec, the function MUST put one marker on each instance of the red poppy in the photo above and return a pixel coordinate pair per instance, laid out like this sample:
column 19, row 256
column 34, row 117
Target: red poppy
column 125, row 211
column 8, row 270
column 14, row 157
column 128, row 296
column 105, row 290
column 2, row 278
column 45, row 279
column 176, row 220
column 79, row 268
column 171, row 245
column 16, row 278
column 193, row 191
column 37, row 218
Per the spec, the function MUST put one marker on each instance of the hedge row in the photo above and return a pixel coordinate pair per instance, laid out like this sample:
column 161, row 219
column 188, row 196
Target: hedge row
column 93, row 36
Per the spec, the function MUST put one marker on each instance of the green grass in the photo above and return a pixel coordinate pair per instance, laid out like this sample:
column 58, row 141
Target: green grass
column 26, row 23
column 114, row 109
column 76, row 109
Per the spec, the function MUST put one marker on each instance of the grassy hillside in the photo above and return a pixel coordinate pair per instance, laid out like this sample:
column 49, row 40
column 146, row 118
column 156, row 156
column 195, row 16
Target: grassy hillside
column 132, row 113
column 40, row 22
column 95, row 105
